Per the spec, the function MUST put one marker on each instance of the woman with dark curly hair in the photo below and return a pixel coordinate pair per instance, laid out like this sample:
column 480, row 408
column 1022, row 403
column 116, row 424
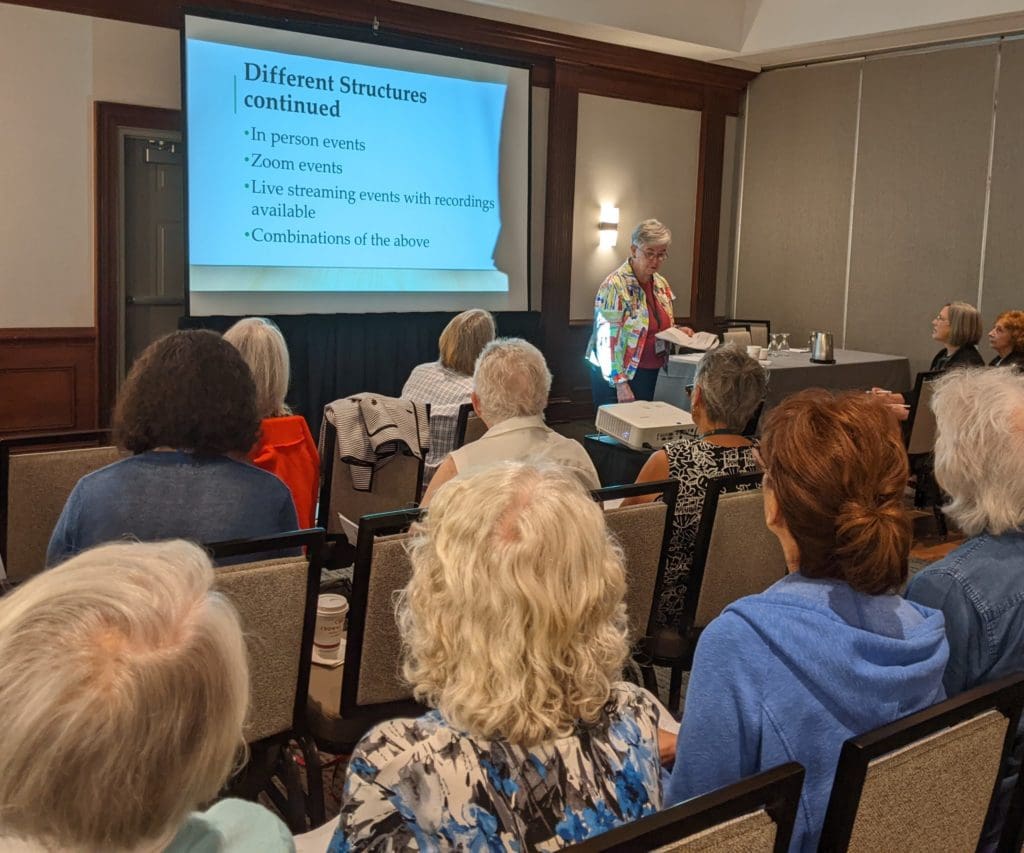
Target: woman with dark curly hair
column 188, row 414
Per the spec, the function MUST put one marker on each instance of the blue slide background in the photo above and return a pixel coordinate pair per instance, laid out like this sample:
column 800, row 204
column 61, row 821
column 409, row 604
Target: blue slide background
column 445, row 147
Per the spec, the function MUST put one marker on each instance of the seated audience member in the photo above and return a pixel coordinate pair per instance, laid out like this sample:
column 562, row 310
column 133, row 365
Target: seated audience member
column 979, row 462
column 123, row 689
column 446, row 384
column 958, row 327
column 727, row 389
column 1007, row 339
column 830, row 651
column 188, row 413
column 285, row 447
column 534, row 742
column 511, row 384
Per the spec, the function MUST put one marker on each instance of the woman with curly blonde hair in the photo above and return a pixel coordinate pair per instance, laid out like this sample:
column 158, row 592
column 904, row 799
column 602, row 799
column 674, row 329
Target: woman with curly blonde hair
column 515, row 633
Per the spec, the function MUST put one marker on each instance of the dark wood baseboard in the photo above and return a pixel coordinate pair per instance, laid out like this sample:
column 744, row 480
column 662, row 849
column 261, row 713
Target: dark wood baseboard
column 47, row 380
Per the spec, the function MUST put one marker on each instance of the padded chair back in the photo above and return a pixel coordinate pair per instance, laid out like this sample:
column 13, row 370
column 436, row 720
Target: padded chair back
column 925, row 782
column 921, row 424
column 740, row 337
column 754, row 815
column 36, row 486
column 643, row 532
column 469, row 427
column 276, row 601
column 735, row 554
column 397, row 483
column 372, row 680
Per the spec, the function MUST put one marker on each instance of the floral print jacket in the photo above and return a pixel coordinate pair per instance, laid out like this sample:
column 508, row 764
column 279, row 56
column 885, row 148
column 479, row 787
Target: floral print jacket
column 621, row 321
column 423, row 785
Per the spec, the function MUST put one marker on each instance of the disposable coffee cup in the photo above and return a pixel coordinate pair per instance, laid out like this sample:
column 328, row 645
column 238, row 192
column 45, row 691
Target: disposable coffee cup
column 331, row 616
column 754, row 352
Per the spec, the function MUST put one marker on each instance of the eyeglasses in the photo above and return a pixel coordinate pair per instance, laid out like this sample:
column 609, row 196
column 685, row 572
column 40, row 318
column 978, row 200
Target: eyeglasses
column 689, row 390
column 941, row 319
column 654, row 255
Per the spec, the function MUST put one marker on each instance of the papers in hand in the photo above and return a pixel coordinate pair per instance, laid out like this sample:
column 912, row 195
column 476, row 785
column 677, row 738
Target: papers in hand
column 702, row 341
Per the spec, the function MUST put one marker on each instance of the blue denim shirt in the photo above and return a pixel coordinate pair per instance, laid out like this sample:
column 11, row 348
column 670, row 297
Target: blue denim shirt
column 980, row 588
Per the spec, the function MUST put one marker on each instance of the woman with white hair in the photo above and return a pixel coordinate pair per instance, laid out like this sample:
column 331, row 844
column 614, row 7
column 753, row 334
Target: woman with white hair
column 534, row 743
column 728, row 388
column 285, row 447
column 511, row 384
column 123, row 689
column 979, row 587
column 632, row 305
column 446, row 384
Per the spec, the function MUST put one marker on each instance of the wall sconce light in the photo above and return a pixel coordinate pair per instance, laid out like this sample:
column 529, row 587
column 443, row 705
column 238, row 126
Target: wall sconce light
column 608, row 226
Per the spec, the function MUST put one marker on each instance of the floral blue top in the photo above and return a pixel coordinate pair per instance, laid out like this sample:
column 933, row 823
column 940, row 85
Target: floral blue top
column 421, row 784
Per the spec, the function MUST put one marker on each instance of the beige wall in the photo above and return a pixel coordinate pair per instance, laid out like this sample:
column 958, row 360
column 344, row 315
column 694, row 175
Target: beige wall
column 641, row 158
column 62, row 64
column 864, row 205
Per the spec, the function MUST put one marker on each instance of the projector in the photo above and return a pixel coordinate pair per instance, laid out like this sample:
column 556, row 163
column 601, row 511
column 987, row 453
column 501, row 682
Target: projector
column 642, row 425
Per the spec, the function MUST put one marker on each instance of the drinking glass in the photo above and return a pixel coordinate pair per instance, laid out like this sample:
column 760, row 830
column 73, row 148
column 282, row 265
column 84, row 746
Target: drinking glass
column 775, row 343
column 783, row 343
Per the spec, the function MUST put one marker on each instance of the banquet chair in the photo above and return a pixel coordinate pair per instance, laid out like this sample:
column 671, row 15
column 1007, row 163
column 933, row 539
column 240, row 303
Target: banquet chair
column 37, row 473
column 920, row 431
column 740, row 337
column 276, row 600
column 760, row 330
column 754, row 815
column 469, row 427
column 643, row 532
column 925, row 782
column 735, row 555
column 397, row 483
column 344, row 702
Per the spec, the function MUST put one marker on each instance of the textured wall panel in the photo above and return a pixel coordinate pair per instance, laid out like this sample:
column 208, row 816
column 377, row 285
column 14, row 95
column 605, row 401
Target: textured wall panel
column 924, row 142
column 643, row 159
column 796, row 198
column 1004, row 260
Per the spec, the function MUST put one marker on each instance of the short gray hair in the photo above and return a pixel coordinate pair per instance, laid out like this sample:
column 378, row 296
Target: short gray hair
column 650, row 232
column 511, row 380
column 979, row 449
column 964, row 324
column 123, row 689
column 262, row 346
column 732, row 385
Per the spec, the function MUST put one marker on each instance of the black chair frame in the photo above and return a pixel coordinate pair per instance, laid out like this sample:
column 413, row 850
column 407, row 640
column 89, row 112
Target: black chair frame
column 674, row 648
column 461, row 422
column 49, row 441
column 340, row 551
column 668, row 492
column 926, row 484
column 272, row 757
column 777, row 791
column 350, row 709
column 1005, row 695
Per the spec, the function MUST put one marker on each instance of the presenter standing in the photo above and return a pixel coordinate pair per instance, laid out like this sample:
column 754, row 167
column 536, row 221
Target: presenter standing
column 633, row 304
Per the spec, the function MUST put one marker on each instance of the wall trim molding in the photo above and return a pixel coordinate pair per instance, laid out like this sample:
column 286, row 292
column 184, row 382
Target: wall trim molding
column 55, row 333
column 400, row 20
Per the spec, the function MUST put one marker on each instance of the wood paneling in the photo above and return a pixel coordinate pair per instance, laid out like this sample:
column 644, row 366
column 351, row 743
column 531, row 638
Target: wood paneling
column 47, row 380
column 709, row 212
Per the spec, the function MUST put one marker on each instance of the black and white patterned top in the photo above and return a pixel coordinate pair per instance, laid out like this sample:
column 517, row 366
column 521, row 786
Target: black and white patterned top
column 693, row 462
column 445, row 390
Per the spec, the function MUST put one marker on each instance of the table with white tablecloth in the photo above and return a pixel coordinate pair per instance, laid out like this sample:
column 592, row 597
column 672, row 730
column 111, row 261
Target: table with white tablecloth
column 793, row 371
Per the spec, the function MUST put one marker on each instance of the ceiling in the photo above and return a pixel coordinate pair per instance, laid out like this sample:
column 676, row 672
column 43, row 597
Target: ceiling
column 755, row 33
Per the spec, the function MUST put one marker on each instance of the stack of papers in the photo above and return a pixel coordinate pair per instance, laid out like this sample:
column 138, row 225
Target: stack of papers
column 702, row 341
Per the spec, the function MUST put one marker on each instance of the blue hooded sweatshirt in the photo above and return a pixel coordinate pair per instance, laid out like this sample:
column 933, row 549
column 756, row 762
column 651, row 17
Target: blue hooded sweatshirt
column 792, row 673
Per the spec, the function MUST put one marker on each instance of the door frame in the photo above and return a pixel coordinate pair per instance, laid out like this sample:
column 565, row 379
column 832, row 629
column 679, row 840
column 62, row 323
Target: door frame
column 112, row 121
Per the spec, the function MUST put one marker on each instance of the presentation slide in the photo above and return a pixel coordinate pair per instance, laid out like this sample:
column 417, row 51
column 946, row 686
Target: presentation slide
column 327, row 175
